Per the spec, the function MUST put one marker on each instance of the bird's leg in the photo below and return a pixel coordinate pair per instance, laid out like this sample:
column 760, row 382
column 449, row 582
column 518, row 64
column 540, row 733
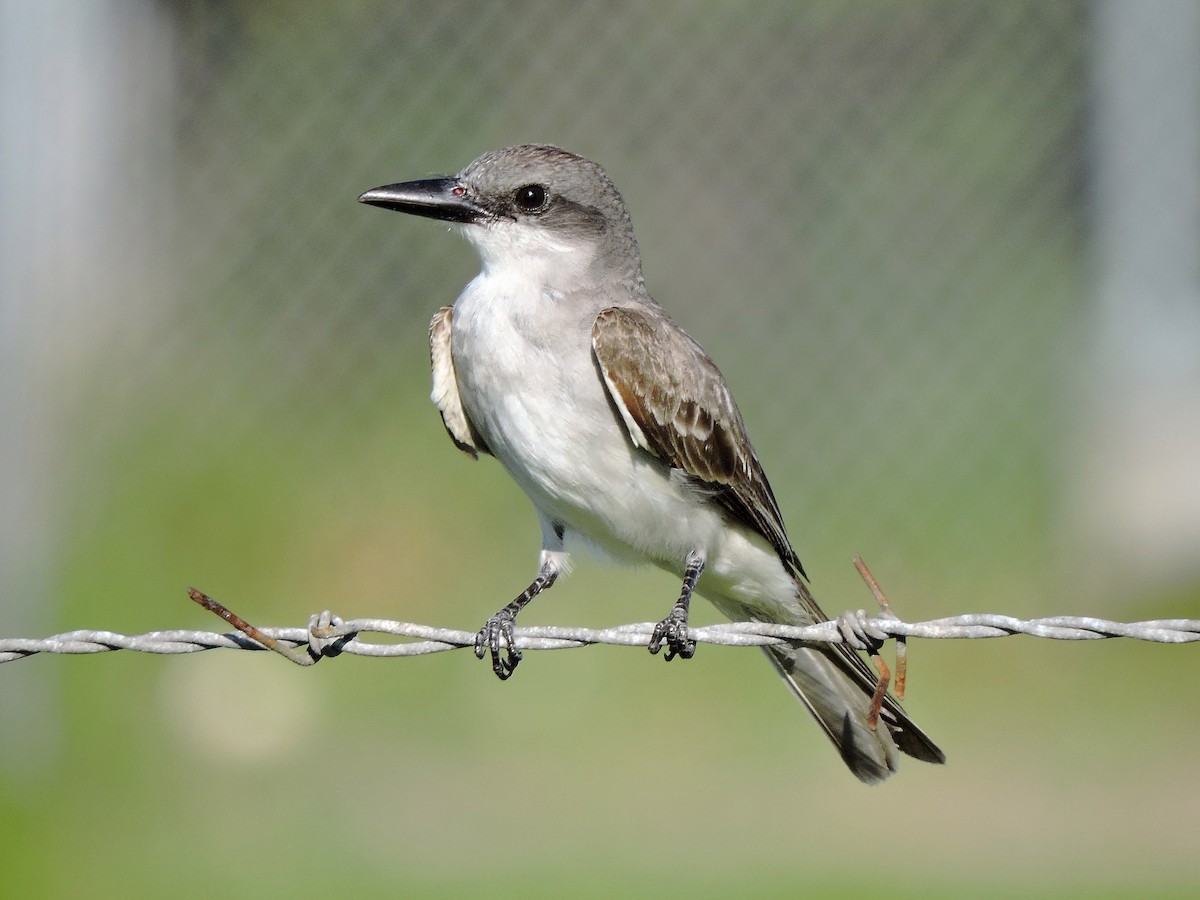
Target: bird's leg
column 674, row 628
column 501, row 625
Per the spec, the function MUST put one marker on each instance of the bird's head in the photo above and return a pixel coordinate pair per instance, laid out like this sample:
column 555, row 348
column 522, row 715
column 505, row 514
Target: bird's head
column 524, row 205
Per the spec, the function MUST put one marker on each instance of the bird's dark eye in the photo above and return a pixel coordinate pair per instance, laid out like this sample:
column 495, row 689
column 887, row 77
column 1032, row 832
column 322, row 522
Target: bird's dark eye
column 530, row 198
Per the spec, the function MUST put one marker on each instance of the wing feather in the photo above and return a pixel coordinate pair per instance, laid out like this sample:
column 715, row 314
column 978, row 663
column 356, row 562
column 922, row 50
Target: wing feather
column 675, row 403
column 445, row 387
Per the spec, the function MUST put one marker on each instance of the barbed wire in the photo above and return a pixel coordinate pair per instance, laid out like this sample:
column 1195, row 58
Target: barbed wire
column 329, row 635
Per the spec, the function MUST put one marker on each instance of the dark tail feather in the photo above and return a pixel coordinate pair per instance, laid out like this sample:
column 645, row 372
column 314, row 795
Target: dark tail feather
column 836, row 684
column 834, row 690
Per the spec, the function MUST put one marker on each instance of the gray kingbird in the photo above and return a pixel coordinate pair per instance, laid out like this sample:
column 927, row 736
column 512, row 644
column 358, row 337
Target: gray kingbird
column 620, row 428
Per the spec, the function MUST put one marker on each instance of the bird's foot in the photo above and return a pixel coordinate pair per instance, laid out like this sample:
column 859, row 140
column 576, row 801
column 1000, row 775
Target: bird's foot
column 673, row 630
column 499, row 626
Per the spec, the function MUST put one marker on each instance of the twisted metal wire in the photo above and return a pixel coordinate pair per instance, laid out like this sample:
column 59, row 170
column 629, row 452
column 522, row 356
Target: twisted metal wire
column 328, row 635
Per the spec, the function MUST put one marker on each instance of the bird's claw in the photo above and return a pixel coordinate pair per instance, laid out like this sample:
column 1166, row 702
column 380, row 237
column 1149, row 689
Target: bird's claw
column 488, row 640
column 673, row 630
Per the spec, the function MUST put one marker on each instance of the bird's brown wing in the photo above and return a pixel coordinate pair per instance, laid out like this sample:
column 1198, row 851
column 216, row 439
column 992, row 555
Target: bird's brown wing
column 675, row 404
column 445, row 387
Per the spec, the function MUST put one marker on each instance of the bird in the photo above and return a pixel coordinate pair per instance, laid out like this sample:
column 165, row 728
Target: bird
column 619, row 427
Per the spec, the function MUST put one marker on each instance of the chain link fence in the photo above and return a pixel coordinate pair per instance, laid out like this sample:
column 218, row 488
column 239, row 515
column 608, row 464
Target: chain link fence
column 873, row 218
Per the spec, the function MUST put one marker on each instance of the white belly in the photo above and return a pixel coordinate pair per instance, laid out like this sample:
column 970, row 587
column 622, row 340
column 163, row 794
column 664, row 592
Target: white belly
column 529, row 384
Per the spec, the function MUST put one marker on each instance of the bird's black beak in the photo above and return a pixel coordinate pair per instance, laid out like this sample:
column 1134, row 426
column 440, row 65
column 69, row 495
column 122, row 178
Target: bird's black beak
column 434, row 198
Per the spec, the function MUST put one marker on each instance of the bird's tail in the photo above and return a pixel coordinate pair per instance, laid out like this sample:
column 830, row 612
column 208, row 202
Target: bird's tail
column 835, row 683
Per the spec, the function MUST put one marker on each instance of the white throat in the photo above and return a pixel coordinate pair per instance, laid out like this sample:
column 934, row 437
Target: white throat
column 537, row 256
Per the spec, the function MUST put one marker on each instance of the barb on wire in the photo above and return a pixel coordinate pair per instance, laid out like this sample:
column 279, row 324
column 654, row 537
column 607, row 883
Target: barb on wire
column 328, row 635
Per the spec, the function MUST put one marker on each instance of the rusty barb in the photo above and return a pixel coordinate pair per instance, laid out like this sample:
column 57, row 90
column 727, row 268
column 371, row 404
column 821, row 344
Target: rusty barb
column 855, row 628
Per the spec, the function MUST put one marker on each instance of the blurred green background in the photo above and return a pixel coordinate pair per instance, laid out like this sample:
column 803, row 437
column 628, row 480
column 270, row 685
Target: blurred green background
column 910, row 234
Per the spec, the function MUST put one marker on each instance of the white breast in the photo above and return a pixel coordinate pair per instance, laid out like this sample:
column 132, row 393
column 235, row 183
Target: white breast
column 529, row 384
